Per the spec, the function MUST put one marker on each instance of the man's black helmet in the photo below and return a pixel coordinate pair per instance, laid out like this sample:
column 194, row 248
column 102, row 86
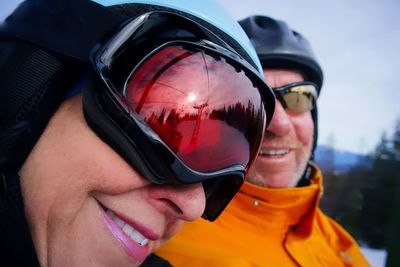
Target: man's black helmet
column 278, row 46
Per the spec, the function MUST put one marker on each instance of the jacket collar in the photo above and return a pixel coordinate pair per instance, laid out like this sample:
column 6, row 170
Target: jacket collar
column 284, row 208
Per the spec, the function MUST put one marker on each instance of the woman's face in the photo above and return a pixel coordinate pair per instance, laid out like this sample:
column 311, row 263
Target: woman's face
column 86, row 206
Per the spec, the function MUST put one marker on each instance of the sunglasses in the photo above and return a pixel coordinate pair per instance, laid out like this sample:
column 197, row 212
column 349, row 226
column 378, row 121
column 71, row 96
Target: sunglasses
column 297, row 97
column 188, row 111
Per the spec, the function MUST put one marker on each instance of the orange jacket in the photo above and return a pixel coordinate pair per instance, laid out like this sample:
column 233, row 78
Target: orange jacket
column 267, row 227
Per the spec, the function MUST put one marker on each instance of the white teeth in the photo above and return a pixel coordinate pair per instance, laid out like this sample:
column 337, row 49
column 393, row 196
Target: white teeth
column 274, row 152
column 129, row 230
column 119, row 221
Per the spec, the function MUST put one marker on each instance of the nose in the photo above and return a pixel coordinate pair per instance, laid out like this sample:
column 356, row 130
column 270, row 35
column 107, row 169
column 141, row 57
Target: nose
column 280, row 122
column 185, row 202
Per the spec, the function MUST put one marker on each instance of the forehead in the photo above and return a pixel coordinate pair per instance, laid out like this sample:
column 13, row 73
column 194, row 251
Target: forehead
column 281, row 77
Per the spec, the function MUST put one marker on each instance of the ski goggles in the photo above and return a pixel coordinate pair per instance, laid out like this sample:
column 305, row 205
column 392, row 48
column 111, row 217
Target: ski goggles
column 297, row 97
column 186, row 112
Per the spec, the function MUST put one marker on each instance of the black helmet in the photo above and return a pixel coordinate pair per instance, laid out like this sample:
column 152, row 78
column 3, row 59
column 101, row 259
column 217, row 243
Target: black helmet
column 278, row 46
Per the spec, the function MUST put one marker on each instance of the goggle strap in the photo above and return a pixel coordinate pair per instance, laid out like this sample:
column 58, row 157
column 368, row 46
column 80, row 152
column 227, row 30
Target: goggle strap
column 34, row 82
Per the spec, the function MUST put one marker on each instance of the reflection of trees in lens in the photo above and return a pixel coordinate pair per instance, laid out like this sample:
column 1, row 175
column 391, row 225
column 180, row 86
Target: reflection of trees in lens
column 165, row 125
column 241, row 117
column 238, row 116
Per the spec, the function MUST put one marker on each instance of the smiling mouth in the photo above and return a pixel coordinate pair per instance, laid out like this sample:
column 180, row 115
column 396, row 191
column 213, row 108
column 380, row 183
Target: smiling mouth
column 274, row 152
column 128, row 229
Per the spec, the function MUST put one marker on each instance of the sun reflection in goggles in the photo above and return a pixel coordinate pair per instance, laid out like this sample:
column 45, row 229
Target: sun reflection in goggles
column 192, row 97
column 297, row 97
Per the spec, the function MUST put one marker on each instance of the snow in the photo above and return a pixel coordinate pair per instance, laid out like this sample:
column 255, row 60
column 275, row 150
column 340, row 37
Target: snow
column 377, row 257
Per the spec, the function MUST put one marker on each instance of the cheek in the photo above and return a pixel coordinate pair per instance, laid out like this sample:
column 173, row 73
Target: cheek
column 304, row 127
column 68, row 164
column 97, row 167
column 172, row 229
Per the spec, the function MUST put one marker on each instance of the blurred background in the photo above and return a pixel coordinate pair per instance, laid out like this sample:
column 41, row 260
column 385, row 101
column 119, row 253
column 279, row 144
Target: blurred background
column 357, row 45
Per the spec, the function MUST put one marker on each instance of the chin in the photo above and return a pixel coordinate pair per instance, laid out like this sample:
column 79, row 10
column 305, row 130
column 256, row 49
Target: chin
column 286, row 180
column 278, row 180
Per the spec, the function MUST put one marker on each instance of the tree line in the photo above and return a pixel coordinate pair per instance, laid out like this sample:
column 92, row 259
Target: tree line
column 366, row 199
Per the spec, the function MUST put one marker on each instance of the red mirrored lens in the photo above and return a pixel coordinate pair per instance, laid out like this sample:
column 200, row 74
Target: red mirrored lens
column 206, row 111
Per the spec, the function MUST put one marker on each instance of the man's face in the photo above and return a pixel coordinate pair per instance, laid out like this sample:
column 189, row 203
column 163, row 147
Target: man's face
column 74, row 185
column 287, row 142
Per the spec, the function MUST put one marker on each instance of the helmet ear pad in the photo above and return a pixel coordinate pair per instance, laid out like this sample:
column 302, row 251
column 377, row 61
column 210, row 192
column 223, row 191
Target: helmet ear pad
column 107, row 130
column 34, row 83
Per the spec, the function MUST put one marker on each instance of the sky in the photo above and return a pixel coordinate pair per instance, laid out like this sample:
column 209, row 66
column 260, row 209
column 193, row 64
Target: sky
column 356, row 43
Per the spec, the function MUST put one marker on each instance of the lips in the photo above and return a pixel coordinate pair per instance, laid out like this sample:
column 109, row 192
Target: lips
column 134, row 234
column 132, row 237
column 277, row 152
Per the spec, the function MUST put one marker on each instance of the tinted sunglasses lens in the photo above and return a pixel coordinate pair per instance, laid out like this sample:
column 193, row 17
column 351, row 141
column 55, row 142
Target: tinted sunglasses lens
column 206, row 111
column 300, row 98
